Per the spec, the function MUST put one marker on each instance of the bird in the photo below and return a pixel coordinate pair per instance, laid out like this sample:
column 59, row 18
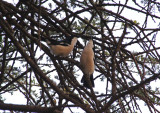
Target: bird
column 87, row 64
column 62, row 48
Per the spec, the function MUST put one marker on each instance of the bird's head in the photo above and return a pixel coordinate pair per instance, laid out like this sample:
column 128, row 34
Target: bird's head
column 90, row 43
column 71, row 40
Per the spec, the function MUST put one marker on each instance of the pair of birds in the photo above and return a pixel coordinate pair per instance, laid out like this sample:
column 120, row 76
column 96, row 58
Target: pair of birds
column 64, row 48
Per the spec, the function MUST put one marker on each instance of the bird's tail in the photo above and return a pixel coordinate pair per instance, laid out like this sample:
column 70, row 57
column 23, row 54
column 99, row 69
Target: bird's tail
column 85, row 81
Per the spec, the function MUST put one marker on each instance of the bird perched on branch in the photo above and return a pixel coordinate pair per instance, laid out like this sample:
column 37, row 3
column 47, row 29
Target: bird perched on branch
column 62, row 48
column 87, row 63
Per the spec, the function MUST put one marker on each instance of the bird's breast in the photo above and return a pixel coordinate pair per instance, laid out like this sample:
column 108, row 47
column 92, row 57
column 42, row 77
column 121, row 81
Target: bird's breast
column 87, row 62
column 60, row 50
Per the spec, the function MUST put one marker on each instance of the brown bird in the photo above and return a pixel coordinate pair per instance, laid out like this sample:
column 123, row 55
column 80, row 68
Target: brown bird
column 87, row 63
column 62, row 48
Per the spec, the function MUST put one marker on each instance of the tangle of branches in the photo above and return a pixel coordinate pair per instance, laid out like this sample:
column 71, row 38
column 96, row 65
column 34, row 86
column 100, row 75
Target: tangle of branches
column 126, row 55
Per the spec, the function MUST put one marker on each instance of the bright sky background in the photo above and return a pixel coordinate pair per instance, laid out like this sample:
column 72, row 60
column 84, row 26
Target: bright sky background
column 18, row 98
